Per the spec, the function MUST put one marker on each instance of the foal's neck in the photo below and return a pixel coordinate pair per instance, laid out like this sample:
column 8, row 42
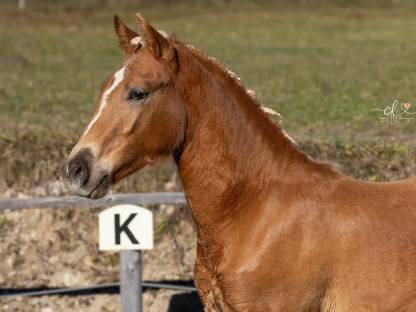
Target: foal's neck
column 231, row 148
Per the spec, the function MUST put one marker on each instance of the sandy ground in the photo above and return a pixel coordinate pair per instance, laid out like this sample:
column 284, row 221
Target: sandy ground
column 165, row 300
column 59, row 248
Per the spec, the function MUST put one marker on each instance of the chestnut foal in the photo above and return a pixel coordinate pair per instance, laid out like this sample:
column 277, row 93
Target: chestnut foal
column 277, row 231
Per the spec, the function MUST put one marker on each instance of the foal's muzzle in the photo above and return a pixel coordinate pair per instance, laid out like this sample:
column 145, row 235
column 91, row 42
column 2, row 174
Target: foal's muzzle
column 83, row 178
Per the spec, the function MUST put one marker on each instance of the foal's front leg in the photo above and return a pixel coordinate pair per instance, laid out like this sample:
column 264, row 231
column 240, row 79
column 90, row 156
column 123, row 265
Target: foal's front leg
column 202, row 277
column 209, row 290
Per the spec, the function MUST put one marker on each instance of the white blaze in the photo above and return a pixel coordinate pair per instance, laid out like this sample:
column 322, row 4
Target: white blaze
column 118, row 77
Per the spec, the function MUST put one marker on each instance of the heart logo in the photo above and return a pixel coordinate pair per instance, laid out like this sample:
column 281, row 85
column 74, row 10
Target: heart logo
column 407, row 106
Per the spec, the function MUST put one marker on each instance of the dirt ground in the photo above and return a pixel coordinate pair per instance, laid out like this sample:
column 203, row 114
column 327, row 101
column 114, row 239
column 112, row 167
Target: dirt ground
column 164, row 300
column 59, row 248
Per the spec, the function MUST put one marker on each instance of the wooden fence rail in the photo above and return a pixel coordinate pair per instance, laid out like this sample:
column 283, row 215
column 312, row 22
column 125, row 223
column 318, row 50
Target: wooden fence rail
column 167, row 198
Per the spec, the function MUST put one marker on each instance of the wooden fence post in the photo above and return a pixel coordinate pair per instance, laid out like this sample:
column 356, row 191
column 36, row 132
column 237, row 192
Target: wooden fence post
column 128, row 228
column 21, row 4
column 131, row 281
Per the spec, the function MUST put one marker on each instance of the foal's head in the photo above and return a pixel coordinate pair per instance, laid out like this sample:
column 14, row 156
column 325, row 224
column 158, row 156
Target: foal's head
column 139, row 115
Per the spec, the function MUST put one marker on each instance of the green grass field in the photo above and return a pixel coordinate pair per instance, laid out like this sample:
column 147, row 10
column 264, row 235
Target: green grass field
column 323, row 68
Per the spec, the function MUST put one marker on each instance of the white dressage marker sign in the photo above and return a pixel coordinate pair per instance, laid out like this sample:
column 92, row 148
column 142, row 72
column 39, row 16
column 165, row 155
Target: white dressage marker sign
column 126, row 227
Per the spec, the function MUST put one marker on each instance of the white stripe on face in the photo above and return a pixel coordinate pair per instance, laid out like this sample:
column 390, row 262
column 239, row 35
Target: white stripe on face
column 118, row 77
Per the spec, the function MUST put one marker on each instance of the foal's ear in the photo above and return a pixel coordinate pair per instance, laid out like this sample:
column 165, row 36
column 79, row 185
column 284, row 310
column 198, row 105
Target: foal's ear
column 125, row 35
column 158, row 44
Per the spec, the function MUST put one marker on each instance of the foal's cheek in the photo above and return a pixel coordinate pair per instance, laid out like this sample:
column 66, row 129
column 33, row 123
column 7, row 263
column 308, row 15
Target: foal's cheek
column 160, row 131
column 158, row 138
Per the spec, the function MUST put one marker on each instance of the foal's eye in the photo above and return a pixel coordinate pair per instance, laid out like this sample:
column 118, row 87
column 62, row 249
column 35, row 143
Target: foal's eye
column 137, row 95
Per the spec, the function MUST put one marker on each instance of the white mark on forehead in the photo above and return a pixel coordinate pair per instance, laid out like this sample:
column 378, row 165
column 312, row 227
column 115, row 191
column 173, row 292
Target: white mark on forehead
column 118, row 77
column 137, row 41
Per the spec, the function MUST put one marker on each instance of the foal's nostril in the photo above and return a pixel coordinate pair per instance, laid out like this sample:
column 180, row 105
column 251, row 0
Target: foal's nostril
column 78, row 172
column 78, row 169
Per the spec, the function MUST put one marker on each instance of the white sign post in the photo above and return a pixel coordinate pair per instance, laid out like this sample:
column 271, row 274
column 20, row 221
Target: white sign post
column 127, row 228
